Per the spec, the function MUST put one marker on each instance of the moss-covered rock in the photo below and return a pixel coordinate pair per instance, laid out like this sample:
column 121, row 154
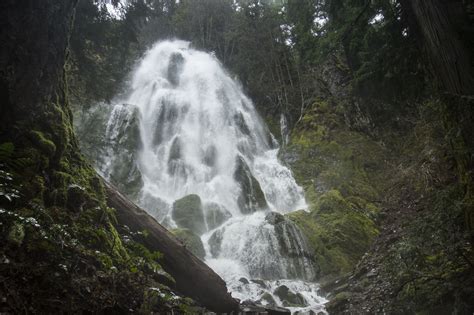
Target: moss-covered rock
column 188, row 213
column 192, row 242
column 339, row 234
column 342, row 172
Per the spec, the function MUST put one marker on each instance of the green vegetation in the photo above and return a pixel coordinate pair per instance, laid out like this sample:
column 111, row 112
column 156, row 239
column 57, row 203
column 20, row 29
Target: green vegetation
column 380, row 137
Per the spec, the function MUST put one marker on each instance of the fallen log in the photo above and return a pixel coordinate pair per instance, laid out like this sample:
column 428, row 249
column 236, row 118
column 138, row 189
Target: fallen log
column 193, row 277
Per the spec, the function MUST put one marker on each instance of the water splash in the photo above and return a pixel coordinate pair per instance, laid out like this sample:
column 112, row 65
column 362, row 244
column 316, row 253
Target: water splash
column 199, row 134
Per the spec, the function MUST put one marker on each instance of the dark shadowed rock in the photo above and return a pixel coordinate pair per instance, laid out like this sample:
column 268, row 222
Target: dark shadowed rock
column 174, row 68
column 251, row 197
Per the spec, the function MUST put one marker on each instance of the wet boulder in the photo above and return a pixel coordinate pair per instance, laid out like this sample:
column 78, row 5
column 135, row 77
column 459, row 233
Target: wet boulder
column 188, row 213
column 267, row 299
column 251, row 197
column 216, row 214
column 191, row 241
column 244, row 280
column 215, row 242
column 289, row 298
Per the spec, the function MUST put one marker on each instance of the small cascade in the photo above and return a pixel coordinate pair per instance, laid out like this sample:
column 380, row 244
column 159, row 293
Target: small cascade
column 192, row 150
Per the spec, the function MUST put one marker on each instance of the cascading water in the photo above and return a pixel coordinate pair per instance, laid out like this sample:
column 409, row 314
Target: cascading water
column 204, row 160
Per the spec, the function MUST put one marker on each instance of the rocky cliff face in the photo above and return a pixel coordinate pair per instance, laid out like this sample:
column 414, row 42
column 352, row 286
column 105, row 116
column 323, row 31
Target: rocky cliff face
column 385, row 200
column 340, row 167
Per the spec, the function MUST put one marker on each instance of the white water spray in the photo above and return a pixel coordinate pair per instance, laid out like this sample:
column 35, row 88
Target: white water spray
column 199, row 134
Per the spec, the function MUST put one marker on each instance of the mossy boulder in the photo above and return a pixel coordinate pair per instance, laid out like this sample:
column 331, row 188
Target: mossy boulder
column 188, row 213
column 251, row 196
column 192, row 242
column 216, row 214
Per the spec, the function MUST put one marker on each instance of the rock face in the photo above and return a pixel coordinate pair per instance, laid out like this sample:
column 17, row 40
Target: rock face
column 251, row 197
column 215, row 215
column 294, row 246
column 192, row 242
column 188, row 213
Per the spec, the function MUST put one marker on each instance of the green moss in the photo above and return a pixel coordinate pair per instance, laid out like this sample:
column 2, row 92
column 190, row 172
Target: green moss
column 42, row 142
column 343, row 174
column 16, row 234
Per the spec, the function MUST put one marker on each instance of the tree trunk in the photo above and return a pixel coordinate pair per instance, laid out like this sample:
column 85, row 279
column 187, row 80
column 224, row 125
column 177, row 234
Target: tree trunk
column 448, row 55
column 193, row 277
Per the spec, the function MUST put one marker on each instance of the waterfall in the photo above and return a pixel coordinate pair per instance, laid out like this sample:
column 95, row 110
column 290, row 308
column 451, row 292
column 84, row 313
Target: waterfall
column 195, row 154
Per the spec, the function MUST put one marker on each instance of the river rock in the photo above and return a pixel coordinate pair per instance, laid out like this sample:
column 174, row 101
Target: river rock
column 251, row 197
column 216, row 214
column 290, row 298
column 248, row 307
column 244, row 280
column 267, row 299
column 192, row 242
column 188, row 213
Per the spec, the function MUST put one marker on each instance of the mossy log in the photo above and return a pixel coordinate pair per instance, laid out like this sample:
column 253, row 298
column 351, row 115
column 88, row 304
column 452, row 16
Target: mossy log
column 193, row 277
